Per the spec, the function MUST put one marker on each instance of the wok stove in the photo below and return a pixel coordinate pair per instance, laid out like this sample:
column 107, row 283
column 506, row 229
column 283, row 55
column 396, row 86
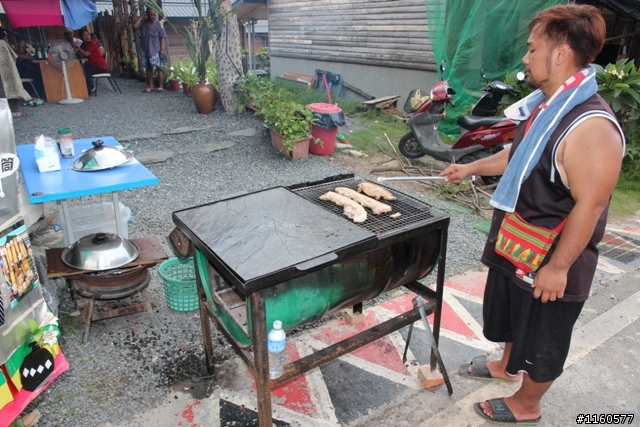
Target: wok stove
column 284, row 254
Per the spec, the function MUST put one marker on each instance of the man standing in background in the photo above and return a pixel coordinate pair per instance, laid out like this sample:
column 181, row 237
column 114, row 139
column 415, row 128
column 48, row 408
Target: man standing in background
column 153, row 40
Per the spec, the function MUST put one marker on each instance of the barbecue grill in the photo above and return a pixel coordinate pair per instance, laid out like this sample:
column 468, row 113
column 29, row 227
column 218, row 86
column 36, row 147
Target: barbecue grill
column 284, row 254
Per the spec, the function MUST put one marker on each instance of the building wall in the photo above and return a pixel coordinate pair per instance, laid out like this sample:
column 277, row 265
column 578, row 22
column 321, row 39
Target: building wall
column 379, row 46
column 390, row 33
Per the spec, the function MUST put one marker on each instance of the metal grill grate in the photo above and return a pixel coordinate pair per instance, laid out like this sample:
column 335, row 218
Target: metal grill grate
column 413, row 210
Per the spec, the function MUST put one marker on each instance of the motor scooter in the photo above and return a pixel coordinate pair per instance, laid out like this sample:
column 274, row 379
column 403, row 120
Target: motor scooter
column 482, row 133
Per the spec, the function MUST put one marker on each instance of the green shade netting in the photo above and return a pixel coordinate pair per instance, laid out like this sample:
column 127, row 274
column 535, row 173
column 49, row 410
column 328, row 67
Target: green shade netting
column 474, row 34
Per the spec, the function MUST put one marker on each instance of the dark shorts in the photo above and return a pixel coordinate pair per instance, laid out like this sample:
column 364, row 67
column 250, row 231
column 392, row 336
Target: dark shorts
column 540, row 333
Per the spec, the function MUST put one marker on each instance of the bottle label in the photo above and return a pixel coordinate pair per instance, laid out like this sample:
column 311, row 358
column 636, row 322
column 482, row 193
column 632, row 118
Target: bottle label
column 276, row 346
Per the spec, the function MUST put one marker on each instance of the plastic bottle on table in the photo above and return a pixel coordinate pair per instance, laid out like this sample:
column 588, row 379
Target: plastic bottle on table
column 276, row 342
column 65, row 141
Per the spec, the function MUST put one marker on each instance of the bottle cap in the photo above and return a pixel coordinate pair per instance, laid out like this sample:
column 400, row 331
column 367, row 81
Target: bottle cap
column 64, row 131
column 277, row 324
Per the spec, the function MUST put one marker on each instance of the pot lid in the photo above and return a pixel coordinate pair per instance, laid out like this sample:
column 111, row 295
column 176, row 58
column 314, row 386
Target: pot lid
column 101, row 157
column 100, row 251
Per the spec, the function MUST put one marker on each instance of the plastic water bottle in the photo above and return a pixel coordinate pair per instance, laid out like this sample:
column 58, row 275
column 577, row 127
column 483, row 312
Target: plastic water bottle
column 276, row 342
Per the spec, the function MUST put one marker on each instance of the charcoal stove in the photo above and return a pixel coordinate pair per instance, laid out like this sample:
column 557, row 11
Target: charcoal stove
column 284, row 254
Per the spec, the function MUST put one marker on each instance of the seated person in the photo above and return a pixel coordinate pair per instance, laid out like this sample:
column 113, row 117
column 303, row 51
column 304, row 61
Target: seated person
column 95, row 62
column 25, row 65
column 96, row 38
column 68, row 36
column 11, row 83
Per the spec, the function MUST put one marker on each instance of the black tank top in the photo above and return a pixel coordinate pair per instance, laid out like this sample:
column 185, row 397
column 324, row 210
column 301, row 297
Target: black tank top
column 545, row 201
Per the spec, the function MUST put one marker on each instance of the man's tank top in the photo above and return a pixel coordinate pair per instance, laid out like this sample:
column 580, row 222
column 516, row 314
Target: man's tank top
column 545, row 201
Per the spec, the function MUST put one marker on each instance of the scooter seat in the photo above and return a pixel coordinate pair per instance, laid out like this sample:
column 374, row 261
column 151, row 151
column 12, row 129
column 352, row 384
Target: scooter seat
column 472, row 122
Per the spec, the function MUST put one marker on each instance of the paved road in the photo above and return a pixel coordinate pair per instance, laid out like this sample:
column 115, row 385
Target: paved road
column 372, row 386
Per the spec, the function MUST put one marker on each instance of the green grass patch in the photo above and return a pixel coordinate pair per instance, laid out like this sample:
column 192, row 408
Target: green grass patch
column 372, row 139
column 625, row 201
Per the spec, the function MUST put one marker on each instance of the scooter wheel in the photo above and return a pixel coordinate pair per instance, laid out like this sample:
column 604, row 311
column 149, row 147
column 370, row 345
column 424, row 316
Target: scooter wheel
column 410, row 147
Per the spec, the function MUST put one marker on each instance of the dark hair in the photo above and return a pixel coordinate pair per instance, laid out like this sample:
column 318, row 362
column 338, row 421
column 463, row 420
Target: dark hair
column 3, row 34
column 580, row 26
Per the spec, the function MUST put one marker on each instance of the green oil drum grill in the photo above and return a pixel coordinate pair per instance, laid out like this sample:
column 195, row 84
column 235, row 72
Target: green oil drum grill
column 284, row 254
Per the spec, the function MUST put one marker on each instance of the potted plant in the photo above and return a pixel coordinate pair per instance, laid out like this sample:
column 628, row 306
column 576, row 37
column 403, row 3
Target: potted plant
column 289, row 123
column 172, row 77
column 200, row 36
column 251, row 91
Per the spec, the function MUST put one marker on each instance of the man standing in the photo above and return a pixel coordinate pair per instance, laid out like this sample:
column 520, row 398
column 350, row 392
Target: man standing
column 567, row 136
column 153, row 40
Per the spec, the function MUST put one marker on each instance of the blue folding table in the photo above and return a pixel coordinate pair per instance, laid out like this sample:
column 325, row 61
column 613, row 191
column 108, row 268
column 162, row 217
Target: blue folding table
column 66, row 183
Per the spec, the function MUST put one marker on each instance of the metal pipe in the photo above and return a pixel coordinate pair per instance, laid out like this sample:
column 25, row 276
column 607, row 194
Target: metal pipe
column 419, row 178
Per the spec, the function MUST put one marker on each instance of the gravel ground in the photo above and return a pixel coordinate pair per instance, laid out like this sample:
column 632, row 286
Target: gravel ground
column 127, row 366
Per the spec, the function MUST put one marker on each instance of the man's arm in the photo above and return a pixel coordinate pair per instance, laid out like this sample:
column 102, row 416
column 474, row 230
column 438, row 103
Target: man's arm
column 489, row 166
column 136, row 23
column 591, row 160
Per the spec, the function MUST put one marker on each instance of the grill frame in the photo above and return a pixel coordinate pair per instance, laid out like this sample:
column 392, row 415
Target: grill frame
column 257, row 359
column 422, row 219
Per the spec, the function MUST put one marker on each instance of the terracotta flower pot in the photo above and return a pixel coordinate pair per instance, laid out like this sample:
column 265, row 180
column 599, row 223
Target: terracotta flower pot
column 299, row 152
column 185, row 89
column 174, row 84
column 204, row 97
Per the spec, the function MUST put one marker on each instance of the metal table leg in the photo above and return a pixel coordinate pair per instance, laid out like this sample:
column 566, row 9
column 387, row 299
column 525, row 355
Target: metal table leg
column 261, row 359
column 87, row 320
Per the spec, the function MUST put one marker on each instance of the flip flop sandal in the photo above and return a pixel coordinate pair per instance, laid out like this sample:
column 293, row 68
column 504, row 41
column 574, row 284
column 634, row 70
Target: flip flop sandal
column 479, row 370
column 502, row 414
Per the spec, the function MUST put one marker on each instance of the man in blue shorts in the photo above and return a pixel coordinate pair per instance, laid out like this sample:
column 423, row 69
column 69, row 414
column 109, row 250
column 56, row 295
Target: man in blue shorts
column 153, row 41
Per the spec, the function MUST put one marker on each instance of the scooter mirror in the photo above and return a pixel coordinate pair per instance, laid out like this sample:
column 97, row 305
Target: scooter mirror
column 520, row 76
column 443, row 65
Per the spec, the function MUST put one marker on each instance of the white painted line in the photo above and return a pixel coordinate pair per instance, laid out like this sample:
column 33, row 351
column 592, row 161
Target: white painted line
column 461, row 294
column 607, row 267
column 467, row 318
column 585, row 339
column 317, row 386
column 381, row 371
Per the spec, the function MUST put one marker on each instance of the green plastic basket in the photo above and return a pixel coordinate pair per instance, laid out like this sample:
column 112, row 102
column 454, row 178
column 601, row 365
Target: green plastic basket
column 179, row 281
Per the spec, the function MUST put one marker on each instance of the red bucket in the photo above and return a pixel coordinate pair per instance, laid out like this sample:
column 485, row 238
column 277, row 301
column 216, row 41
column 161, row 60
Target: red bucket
column 326, row 137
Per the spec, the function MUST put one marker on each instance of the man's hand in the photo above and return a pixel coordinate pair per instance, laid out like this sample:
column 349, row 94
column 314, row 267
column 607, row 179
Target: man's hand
column 456, row 172
column 549, row 284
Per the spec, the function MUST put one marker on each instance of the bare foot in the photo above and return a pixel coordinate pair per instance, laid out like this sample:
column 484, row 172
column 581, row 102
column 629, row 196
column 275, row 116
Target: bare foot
column 519, row 411
column 499, row 371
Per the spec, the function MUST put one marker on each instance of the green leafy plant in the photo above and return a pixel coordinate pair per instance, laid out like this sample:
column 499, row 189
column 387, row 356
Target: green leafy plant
column 288, row 118
column 200, row 34
column 170, row 72
column 47, row 332
column 251, row 91
column 619, row 85
column 520, row 85
column 185, row 72
column 212, row 73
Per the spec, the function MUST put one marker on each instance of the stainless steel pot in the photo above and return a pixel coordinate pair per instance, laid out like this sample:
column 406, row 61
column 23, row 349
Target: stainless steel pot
column 100, row 251
column 101, row 157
